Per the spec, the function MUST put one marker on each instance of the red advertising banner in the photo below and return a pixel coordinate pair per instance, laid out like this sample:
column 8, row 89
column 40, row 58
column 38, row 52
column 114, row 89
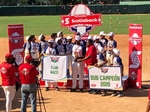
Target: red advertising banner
column 135, row 55
column 16, row 41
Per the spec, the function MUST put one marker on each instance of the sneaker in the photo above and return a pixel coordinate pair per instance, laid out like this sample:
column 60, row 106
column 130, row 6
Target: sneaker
column 90, row 91
column 120, row 95
column 114, row 94
column 57, row 89
column 72, row 90
column 81, row 90
column 47, row 89
column 104, row 93
column 96, row 91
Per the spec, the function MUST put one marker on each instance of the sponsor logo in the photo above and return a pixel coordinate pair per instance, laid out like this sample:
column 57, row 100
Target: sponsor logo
column 93, row 85
column 25, row 71
column 54, row 59
column 3, row 70
column 135, row 27
column 16, row 37
column 104, row 70
column 135, row 39
column 135, row 59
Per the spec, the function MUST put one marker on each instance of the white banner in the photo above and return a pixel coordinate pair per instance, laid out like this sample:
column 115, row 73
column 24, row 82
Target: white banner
column 105, row 78
column 54, row 68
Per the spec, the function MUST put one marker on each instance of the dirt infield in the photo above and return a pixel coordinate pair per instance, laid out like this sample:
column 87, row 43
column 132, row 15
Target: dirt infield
column 64, row 101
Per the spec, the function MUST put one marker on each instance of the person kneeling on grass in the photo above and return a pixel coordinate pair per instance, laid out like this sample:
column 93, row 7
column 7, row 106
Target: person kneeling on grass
column 117, row 61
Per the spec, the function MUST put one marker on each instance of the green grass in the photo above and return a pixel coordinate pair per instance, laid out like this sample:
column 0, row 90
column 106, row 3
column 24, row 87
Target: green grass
column 48, row 24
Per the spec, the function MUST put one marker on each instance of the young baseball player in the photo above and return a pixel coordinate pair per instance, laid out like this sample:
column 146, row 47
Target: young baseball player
column 27, row 47
column 43, row 43
column 60, row 48
column 77, row 67
column 50, row 51
column 110, row 46
column 117, row 61
column 34, row 51
column 64, row 40
column 103, row 40
column 54, row 36
column 69, row 47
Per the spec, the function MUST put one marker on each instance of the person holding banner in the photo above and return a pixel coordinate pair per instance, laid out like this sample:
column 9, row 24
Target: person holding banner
column 28, row 74
column 77, row 67
column 50, row 51
column 90, row 57
column 60, row 48
column 117, row 61
column 8, row 71
column 110, row 46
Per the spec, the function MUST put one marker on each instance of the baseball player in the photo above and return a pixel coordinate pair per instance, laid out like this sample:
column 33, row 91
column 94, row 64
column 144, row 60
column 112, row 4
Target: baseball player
column 64, row 40
column 110, row 46
column 77, row 67
column 50, row 51
column 27, row 47
column 43, row 43
column 8, row 71
column 69, row 47
column 117, row 61
column 28, row 74
column 60, row 48
column 54, row 36
column 103, row 40
column 34, row 51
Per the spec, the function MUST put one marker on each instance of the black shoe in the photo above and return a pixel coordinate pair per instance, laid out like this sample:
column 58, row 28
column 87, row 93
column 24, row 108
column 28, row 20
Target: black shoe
column 96, row 91
column 81, row 90
column 90, row 91
column 47, row 89
column 57, row 89
column 72, row 90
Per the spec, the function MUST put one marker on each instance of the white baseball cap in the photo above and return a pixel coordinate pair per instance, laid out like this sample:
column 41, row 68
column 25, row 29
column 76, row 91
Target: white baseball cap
column 111, row 34
column 69, row 37
column 59, row 33
column 90, row 37
column 40, row 36
column 102, row 33
column 51, row 41
column 95, row 37
column 57, row 39
column 27, row 38
column 77, row 38
column 116, row 51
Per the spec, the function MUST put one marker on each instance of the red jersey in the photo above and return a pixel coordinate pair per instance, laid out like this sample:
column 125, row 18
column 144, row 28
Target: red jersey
column 8, row 72
column 27, row 73
column 92, row 53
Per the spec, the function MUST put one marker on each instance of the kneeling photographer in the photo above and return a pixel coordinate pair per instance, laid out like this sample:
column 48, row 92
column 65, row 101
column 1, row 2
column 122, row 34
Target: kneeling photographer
column 28, row 74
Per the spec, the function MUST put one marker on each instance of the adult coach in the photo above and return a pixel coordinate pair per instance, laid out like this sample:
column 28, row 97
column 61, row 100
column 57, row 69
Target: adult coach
column 28, row 74
column 8, row 71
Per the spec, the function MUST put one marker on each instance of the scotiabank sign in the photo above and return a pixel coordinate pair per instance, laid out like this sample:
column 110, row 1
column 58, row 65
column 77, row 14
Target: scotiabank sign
column 135, row 55
column 81, row 20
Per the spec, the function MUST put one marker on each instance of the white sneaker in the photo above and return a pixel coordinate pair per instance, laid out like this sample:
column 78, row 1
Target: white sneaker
column 120, row 95
column 114, row 94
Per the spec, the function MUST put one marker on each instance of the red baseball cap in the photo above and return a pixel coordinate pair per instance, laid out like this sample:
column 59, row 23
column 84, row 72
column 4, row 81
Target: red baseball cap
column 9, row 56
column 29, row 57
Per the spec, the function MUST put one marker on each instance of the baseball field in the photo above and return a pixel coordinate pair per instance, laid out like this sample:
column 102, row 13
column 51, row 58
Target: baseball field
column 134, row 100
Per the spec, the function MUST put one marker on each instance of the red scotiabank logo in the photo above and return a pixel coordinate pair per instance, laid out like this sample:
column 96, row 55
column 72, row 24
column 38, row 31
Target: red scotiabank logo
column 80, row 19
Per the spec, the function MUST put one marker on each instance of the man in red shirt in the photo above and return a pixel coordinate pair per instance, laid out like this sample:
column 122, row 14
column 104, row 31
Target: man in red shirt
column 28, row 74
column 8, row 71
column 91, row 53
